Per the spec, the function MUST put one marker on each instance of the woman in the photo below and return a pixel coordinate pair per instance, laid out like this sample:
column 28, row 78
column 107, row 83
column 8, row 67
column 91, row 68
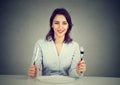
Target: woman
column 58, row 54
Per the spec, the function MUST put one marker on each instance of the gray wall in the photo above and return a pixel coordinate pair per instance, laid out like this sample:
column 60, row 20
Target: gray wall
column 96, row 28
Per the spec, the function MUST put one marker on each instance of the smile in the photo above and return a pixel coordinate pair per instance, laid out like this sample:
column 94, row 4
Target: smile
column 60, row 31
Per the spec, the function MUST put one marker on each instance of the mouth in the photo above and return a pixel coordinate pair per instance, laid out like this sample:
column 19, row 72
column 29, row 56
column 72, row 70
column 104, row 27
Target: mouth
column 60, row 31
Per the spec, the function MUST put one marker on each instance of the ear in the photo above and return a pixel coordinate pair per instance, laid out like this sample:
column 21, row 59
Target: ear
column 52, row 26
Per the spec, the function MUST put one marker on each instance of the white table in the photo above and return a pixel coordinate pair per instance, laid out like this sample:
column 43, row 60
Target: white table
column 24, row 80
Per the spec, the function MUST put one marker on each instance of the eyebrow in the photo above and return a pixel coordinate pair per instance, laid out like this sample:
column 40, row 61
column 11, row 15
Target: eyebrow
column 58, row 21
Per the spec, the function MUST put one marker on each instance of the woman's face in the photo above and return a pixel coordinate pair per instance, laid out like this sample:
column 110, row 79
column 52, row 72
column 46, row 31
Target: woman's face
column 59, row 25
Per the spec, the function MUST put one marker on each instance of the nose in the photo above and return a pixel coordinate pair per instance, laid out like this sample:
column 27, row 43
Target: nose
column 60, row 26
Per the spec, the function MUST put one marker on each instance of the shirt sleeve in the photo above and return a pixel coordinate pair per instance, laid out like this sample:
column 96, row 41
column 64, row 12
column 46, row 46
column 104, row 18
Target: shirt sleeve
column 37, row 57
column 75, row 59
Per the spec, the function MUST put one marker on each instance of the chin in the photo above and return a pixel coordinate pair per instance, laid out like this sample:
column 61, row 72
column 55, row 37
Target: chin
column 61, row 35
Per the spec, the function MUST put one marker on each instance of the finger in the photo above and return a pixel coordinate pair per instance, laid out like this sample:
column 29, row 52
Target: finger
column 81, row 67
column 81, row 71
column 32, row 75
column 31, row 69
column 82, row 62
column 33, row 72
column 32, row 66
column 79, row 63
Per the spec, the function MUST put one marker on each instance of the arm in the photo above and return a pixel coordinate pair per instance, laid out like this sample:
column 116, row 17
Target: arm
column 76, row 58
column 36, row 65
column 37, row 58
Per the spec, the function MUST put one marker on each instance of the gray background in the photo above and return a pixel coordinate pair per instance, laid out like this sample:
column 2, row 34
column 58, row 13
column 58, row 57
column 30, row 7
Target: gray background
column 96, row 28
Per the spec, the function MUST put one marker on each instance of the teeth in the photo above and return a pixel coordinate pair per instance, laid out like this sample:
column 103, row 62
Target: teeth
column 60, row 31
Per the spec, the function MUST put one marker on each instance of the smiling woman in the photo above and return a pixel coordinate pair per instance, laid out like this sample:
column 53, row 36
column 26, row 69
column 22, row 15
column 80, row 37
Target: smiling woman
column 65, row 17
column 60, row 25
column 58, row 54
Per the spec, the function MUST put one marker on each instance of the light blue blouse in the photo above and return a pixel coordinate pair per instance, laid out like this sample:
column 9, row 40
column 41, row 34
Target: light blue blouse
column 49, row 62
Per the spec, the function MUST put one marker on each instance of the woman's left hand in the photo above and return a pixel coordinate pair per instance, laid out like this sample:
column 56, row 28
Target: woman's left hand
column 81, row 67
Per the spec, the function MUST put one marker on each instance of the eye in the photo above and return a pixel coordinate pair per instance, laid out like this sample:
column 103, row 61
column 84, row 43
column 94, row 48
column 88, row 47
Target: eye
column 65, row 23
column 56, row 22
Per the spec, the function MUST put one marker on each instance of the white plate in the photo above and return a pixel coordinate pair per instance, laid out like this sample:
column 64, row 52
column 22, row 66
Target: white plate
column 56, row 79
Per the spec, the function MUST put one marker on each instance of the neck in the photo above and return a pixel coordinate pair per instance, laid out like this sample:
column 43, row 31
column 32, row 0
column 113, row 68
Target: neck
column 59, row 40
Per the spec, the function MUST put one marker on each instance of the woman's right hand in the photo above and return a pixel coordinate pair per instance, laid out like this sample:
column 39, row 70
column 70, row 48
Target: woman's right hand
column 32, row 71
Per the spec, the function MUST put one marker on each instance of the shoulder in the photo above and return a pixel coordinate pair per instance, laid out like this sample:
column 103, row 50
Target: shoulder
column 41, row 42
column 73, row 44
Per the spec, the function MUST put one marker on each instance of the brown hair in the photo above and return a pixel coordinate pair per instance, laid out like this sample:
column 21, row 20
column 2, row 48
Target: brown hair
column 64, row 12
